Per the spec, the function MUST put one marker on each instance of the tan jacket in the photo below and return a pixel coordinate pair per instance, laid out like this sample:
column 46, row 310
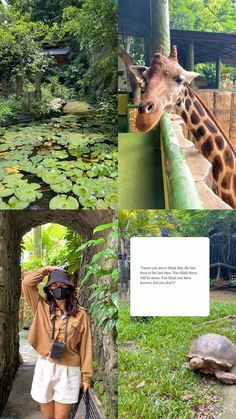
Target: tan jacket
column 78, row 349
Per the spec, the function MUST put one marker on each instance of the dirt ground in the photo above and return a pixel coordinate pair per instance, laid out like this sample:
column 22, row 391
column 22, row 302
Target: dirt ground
column 228, row 295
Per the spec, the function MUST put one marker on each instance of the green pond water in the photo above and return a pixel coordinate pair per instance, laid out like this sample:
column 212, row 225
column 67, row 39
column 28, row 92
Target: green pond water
column 68, row 162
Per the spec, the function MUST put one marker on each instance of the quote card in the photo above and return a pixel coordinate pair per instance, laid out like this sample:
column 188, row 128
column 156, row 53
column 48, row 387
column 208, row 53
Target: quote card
column 169, row 276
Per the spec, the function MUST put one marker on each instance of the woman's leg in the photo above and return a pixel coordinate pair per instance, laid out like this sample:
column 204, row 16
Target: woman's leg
column 62, row 410
column 47, row 410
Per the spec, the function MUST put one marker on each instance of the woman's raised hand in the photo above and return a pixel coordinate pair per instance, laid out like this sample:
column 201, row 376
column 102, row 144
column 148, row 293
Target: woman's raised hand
column 53, row 268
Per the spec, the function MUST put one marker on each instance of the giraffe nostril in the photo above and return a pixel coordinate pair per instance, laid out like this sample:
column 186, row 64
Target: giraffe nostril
column 141, row 109
column 149, row 107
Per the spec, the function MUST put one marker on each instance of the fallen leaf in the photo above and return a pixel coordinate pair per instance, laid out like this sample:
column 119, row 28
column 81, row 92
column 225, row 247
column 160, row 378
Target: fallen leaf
column 10, row 170
column 142, row 384
column 187, row 397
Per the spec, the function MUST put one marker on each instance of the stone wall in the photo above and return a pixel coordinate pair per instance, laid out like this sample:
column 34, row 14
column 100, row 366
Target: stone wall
column 13, row 225
column 105, row 349
column 9, row 304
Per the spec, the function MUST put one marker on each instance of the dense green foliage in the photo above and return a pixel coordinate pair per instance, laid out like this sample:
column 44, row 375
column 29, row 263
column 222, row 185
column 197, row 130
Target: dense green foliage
column 203, row 15
column 197, row 223
column 54, row 247
column 185, row 223
column 152, row 380
column 104, row 294
column 141, row 223
column 87, row 27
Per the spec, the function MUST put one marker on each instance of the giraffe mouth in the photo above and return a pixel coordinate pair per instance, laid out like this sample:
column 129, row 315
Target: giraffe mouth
column 145, row 122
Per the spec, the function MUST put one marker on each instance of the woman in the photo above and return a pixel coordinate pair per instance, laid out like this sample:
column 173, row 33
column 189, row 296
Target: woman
column 60, row 333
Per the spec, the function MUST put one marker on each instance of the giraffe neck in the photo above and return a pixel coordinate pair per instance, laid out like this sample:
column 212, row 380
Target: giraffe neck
column 211, row 141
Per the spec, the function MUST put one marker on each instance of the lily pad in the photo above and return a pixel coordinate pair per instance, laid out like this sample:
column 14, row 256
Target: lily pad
column 28, row 193
column 101, row 204
column 111, row 200
column 63, row 202
column 60, row 154
column 79, row 190
column 83, row 165
column 93, row 172
column 15, row 203
column 54, row 176
column 3, row 205
column 6, row 191
column 36, row 159
column 62, row 187
column 88, row 201
column 49, row 163
column 14, row 177
column 4, row 147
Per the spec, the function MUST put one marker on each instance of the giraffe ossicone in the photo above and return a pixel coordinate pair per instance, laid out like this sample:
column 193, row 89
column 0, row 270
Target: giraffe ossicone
column 167, row 88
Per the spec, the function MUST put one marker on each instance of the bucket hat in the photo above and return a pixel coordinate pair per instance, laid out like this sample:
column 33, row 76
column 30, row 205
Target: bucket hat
column 57, row 275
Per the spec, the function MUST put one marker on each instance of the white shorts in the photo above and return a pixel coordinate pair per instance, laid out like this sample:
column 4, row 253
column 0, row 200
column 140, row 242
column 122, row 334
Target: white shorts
column 55, row 382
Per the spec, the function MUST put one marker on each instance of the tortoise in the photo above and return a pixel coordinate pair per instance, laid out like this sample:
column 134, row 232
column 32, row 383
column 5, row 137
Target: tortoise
column 213, row 354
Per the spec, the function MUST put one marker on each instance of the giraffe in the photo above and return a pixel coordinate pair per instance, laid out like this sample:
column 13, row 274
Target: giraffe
column 167, row 88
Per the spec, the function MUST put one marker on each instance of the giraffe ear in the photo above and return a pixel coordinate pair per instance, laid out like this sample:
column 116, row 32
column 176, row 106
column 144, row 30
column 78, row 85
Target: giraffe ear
column 138, row 71
column 190, row 76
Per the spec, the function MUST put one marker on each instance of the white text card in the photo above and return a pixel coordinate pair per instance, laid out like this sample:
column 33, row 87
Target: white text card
column 169, row 276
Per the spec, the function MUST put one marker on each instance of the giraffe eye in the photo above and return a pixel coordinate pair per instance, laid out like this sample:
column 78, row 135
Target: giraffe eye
column 179, row 80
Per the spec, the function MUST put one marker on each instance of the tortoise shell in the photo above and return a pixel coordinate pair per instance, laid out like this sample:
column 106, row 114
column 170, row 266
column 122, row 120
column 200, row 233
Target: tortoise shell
column 214, row 348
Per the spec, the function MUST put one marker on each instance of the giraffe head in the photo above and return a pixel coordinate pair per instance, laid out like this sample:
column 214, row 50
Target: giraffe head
column 165, row 82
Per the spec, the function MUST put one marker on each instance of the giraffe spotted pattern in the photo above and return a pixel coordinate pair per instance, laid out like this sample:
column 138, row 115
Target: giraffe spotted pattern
column 168, row 88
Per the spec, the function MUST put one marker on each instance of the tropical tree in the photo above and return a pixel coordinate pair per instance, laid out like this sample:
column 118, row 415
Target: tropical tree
column 197, row 223
column 53, row 244
column 94, row 25
column 20, row 48
column 142, row 223
column 203, row 15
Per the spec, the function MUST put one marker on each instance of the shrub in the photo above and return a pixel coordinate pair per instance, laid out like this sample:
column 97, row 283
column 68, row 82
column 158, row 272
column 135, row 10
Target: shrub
column 5, row 110
column 108, row 110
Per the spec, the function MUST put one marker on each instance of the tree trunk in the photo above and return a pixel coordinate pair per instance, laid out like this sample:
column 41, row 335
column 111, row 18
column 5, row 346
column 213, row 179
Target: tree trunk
column 218, row 65
column 160, row 25
column 19, row 85
column 129, row 43
column 4, row 85
column 147, row 51
column 38, row 92
column 37, row 234
column 190, row 58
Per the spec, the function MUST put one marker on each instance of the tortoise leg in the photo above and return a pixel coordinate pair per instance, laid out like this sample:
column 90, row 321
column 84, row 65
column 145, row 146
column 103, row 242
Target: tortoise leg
column 225, row 377
column 186, row 365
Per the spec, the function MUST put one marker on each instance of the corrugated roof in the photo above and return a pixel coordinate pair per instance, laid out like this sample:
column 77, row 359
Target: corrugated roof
column 55, row 51
column 135, row 19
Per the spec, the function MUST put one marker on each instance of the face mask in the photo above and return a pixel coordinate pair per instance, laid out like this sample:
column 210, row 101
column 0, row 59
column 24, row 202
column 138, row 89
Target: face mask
column 60, row 293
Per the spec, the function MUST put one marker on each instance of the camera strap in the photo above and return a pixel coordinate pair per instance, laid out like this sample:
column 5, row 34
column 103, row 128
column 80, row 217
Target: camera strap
column 65, row 331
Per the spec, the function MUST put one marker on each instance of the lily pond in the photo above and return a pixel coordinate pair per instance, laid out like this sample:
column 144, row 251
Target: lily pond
column 68, row 162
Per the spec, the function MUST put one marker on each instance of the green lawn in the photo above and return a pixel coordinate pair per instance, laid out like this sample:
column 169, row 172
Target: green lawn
column 152, row 382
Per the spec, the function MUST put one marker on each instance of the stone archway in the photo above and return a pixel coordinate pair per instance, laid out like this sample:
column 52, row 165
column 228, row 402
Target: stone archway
column 13, row 226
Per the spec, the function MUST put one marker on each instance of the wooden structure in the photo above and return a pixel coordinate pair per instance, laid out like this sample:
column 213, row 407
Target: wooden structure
column 57, row 50
column 221, row 274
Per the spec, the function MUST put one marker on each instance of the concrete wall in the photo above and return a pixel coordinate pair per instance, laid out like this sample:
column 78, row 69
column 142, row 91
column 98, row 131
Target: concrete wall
column 13, row 225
